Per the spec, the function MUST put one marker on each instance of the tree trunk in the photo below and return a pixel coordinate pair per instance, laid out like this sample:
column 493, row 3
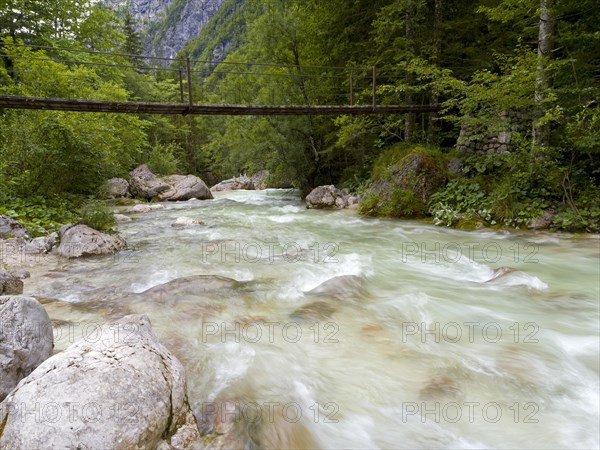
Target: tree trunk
column 545, row 42
column 409, row 118
column 302, row 87
column 438, row 21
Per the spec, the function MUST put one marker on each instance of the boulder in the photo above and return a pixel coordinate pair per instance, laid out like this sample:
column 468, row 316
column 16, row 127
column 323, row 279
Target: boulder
column 145, row 184
column 10, row 284
column 326, row 197
column 81, row 240
column 40, row 245
column 259, row 179
column 117, row 388
column 352, row 201
column 233, row 184
column 405, row 187
column 184, row 187
column 544, row 221
column 10, row 228
column 116, row 188
column 26, row 340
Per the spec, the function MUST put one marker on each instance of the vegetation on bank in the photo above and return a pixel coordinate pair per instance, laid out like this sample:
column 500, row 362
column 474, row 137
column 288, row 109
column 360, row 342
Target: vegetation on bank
column 495, row 67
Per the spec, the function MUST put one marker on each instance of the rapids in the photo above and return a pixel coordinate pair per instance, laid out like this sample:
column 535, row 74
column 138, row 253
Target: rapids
column 358, row 332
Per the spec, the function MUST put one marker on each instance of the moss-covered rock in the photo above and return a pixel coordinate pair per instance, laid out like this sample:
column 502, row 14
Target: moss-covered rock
column 404, row 178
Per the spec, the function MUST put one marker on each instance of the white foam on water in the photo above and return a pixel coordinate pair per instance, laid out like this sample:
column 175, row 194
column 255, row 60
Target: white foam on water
column 230, row 362
column 156, row 278
column 283, row 219
column 520, row 279
column 288, row 209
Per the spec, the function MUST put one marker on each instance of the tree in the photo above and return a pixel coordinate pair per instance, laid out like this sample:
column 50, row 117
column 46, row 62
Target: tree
column 133, row 41
column 545, row 43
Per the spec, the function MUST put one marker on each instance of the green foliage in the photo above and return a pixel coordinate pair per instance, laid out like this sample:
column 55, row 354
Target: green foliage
column 582, row 220
column 96, row 215
column 163, row 160
column 40, row 215
column 461, row 199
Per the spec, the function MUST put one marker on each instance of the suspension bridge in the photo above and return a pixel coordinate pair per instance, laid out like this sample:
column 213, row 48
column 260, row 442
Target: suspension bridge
column 63, row 79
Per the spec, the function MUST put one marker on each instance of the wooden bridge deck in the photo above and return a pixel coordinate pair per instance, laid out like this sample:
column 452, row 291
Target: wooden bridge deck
column 59, row 104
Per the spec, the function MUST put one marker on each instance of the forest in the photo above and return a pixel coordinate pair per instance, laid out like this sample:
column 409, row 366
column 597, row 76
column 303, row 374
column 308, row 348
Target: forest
column 517, row 135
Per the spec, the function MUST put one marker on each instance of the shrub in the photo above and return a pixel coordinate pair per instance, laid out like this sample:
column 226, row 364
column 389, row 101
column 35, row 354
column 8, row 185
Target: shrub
column 95, row 215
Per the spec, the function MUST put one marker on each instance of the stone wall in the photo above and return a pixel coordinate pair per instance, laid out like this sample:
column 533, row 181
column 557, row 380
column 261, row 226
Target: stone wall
column 497, row 142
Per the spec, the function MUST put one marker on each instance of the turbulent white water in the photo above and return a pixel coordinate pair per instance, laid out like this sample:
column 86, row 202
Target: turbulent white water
column 414, row 341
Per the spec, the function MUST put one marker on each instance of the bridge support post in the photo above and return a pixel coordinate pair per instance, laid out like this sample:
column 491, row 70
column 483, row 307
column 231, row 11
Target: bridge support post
column 189, row 80
column 181, row 100
column 351, row 87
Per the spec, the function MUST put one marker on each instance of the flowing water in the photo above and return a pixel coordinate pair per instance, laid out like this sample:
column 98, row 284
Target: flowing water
column 350, row 332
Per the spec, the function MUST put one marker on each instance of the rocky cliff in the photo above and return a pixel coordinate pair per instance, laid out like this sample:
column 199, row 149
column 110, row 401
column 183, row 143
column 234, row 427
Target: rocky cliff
column 167, row 25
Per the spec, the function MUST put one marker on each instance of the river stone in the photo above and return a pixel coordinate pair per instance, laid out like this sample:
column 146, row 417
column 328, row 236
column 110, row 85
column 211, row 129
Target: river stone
column 185, row 187
column 186, row 222
column 121, row 389
column 144, row 208
column 115, row 188
column 26, row 340
column 233, row 184
column 81, row 240
column 40, row 245
column 326, row 197
column 143, row 183
column 10, row 228
column 122, row 218
column 10, row 284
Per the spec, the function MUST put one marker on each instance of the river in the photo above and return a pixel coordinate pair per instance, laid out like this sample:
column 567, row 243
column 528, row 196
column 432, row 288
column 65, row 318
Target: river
column 359, row 332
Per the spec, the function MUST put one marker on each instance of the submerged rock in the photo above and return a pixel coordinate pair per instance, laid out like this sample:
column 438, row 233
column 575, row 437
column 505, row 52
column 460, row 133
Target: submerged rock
column 343, row 286
column 184, row 187
column 221, row 426
column 81, row 240
column 190, row 286
column 121, row 389
column 439, row 387
column 26, row 340
column 315, row 311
